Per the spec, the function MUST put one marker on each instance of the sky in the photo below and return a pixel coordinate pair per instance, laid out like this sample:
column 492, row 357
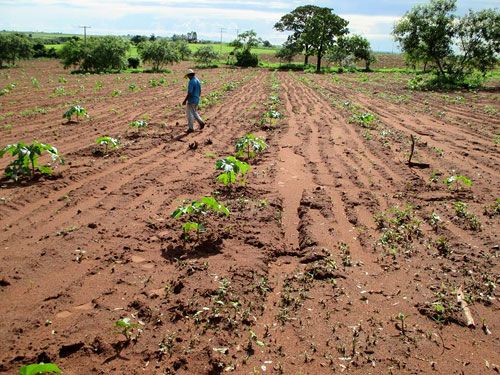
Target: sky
column 372, row 19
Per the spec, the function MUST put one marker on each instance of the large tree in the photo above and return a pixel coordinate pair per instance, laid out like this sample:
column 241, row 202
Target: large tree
column 322, row 31
column 158, row 52
column 296, row 22
column 455, row 45
column 14, row 47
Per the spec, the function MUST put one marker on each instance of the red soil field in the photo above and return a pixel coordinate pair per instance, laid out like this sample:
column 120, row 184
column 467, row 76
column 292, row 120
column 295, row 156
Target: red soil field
column 337, row 256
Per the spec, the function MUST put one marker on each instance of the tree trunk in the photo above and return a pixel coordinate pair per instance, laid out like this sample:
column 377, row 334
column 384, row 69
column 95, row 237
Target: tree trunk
column 306, row 59
column 318, row 63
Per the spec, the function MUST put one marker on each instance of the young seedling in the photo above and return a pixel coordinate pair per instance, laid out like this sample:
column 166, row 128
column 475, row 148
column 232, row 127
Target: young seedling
column 139, row 124
column 39, row 368
column 250, row 145
column 77, row 111
column 402, row 318
column 195, row 212
column 366, row 120
column 26, row 163
column 457, row 182
column 108, row 143
column 231, row 168
column 126, row 328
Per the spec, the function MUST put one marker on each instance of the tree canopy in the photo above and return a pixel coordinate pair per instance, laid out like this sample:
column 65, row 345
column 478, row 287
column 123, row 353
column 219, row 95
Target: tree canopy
column 14, row 47
column 158, row 52
column 456, row 46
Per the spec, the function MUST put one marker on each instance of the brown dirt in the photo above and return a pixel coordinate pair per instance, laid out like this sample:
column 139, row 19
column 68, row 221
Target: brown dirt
column 305, row 276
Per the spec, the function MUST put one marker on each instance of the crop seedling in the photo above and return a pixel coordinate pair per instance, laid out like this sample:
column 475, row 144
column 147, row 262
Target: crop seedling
column 75, row 110
column 126, row 328
column 195, row 211
column 108, row 143
column 231, row 168
column 493, row 209
column 39, row 368
column 366, row 120
column 35, row 82
column 402, row 318
column 116, row 93
column 26, row 163
column 59, row 91
column 250, row 145
column 461, row 212
column 139, row 124
column 442, row 246
column 457, row 182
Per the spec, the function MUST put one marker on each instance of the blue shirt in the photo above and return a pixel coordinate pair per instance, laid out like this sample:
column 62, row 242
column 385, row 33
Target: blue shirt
column 194, row 91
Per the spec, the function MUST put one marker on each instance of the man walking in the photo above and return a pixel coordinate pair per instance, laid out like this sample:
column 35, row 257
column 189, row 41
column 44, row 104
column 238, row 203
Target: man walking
column 192, row 100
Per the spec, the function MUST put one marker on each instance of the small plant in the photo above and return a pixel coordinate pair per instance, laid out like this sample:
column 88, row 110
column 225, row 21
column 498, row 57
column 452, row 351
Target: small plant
column 98, row 86
column 457, row 182
column 366, row 120
column 402, row 318
column 75, row 110
column 59, row 91
column 26, row 163
column 39, row 368
column 442, row 246
column 250, row 145
column 132, row 87
column 471, row 219
column 435, row 221
column 126, row 328
column 493, row 209
column 108, row 143
column 35, row 82
column 195, row 211
column 139, row 124
column 116, row 93
column 231, row 168
column 62, row 80
column 230, row 86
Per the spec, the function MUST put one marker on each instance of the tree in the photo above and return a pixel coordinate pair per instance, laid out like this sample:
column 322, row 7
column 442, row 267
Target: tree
column 321, row 32
column 361, row 50
column 136, row 39
column 205, row 55
column 288, row 52
column 267, row 44
column 98, row 54
column 183, row 49
column 341, row 53
column 296, row 21
column 425, row 33
column 192, row 37
column 457, row 46
column 14, row 47
column 158, row 53
column 243, row 45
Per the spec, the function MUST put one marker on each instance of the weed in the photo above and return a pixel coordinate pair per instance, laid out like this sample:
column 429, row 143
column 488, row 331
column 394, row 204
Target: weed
column 442, row 246
column 402, row 318
column 26, row 163
column 33, row 111
column 35, row 82
column 59, row 91
column 461, row 212
column 493, row 209
column 116, row 93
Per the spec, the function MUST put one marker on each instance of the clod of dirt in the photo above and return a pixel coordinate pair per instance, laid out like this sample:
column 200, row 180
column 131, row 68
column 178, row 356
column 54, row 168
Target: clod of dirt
column 92, row 225
column 208, row 142
column 177, row 286
column 193, row 146
column 67, row 350
column 4, row 282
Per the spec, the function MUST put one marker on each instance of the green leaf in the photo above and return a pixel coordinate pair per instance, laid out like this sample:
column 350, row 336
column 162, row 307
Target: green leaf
column 41, row 368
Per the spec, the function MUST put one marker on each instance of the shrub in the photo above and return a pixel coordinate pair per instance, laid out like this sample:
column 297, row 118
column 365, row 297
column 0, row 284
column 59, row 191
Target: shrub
column 245, row 58
column 205, row 55
column 133, row 62
column 158, row 53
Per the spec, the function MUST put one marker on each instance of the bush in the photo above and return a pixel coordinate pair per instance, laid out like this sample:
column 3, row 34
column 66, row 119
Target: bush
column 39, row 50
column 133, row 62
column 14, row 47
column 245, row 58
column 99, row 54
column 205, row 55
column 158, row 53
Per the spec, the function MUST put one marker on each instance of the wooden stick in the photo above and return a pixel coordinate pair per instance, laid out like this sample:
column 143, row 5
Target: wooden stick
column 465, row 308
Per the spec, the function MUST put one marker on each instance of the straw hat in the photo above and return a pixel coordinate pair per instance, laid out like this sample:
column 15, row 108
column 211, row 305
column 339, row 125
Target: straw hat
column 189, row 72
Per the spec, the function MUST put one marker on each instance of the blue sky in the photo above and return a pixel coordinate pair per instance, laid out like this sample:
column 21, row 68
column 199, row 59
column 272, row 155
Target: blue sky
column 373, row 19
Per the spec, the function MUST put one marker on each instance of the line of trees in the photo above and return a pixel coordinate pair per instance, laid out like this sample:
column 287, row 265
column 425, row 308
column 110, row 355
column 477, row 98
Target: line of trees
column 14, row 47
column 455, row 47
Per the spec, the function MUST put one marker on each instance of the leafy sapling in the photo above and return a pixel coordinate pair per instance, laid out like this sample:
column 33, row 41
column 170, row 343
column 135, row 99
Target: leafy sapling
column 126, row 328
column 108, row 143
column 231, row 168
column 77, row 111
column 27, row 163
column 139, row 124
column 195, row 211
column 250, row 145
column 39, row 368
column 457, row 182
